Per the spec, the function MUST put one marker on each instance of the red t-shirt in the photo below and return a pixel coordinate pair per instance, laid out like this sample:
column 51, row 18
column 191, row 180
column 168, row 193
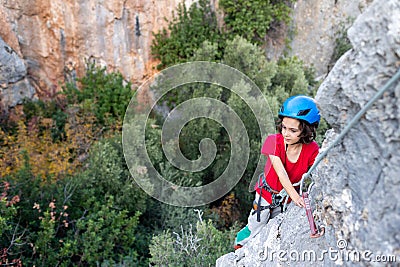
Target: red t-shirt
column 274, row 145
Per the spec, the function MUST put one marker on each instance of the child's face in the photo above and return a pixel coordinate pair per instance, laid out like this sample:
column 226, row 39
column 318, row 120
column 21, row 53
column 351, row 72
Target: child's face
column 291, row 130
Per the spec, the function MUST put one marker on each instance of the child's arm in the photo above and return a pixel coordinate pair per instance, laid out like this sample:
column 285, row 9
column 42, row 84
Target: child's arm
column 285, row 181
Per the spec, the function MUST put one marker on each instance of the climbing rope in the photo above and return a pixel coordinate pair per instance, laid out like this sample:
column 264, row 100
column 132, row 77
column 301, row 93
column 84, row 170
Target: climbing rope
column 350, row 125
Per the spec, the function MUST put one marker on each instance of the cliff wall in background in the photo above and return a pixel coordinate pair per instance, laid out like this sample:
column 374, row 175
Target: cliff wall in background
column 53, row 38
column 317, row 24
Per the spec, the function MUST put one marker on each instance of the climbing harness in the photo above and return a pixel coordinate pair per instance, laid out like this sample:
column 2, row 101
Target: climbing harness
column 277, row 197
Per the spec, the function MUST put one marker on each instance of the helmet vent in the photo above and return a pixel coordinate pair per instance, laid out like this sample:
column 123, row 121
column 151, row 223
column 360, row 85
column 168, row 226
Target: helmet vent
column 303, row 112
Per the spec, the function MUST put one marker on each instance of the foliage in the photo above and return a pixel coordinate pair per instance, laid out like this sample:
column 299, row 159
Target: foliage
column 291, row 77
column 250, row 60
column 101, row 233
column 253, row 19
column 7, row 213
column 108, row 233
column 106, row 95
column 107, row 174
column 197, row 27
column 57, row 138
column 51, row 110
column 49, row 157
column 67, row 222
column 193, row 28
column 207, row 51
column 199, row 246
column 342, row 43
column 227, row 211
column 186, row 33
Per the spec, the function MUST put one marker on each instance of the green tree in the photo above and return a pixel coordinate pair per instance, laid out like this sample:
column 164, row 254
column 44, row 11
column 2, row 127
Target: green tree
column 252, row 19
column 186, row 33
column 108, row 174
column 106, row 95
column 106, row 233
column 80, row 219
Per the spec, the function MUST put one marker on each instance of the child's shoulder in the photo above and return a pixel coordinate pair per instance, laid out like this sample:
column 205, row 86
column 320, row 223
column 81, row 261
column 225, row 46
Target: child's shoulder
column 313, row 146
column 277, row 136
column 274, row 138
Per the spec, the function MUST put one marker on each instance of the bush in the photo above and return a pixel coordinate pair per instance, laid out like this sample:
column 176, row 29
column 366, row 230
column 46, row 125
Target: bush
column 70, row 221
column 253, row 19
column 106, row 95
column 186, row 33
column 48, row 157
column 191, row 246
column 38, row 109
column 107, row 174
column 107, row 233
column 342, row 42
column 7, row 226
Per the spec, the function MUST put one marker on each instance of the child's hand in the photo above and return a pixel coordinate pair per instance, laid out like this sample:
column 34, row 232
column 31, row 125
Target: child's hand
column 299, row 201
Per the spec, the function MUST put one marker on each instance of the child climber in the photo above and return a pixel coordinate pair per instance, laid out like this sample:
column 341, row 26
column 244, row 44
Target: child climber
column 290, row 154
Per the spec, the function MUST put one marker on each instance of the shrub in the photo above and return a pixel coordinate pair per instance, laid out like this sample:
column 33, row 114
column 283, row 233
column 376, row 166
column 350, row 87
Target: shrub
column 51, row 110
column 67, row 222
column 106, row 95
column 191, row 246
column 8, row 211
column 186, row 33
column 342, row 42
column 106, row 233
column 253, row 19
column 107, row 174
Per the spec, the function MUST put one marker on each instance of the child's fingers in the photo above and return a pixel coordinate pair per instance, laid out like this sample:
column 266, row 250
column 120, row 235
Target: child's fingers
column 300, row 202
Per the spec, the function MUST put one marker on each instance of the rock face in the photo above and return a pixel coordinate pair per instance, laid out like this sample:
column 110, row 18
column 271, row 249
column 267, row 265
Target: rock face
column 361, row 182
column 55, row 37
column 316, row 25
column 285, row 240
column 356, row 192
column 13, row 83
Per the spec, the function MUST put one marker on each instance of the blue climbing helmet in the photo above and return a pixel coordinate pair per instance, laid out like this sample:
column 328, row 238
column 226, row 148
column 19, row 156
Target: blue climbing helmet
column 300, row 107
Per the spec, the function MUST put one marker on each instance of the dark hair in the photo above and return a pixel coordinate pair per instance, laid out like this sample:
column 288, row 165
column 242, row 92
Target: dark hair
column 308, row 131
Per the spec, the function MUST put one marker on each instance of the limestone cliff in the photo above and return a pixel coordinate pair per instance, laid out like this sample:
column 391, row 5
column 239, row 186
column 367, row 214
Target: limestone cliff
column 356, row 190
column 316, row 25
column 53, row 38
column 13, row 82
